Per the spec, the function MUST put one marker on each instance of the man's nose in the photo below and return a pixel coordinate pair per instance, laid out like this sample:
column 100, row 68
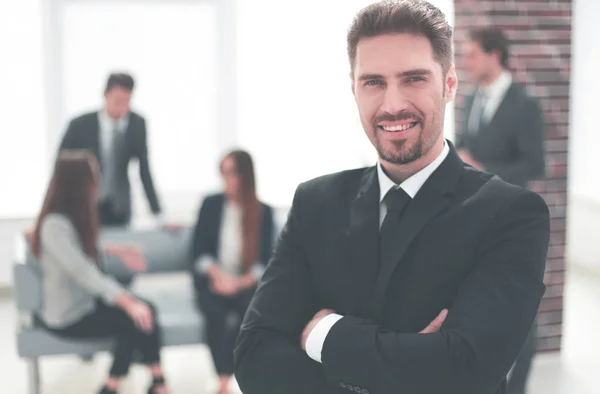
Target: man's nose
column 394, row 100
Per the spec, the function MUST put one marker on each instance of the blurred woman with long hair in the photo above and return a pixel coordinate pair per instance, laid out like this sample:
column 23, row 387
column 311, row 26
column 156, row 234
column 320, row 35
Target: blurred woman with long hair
column 80, row 301
column 232, row 243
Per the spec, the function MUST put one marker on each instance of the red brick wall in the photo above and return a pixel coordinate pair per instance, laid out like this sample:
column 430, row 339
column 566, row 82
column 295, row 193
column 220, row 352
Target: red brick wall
column 540, row 34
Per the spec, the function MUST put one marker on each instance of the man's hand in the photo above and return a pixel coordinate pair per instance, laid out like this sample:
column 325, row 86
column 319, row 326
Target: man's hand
column 468, row 158
column 248, row 280
column 311, row 324
column 436, row 324
column 171, row 227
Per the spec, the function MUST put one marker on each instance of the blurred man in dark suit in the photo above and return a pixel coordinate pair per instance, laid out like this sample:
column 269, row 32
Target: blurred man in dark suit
column 115, row 135
column 503, row 126
column 503, row 134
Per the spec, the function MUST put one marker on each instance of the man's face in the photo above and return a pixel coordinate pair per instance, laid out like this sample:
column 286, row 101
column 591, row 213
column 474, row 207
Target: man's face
column 117, row 101
column 479, row 63
column 401, row 94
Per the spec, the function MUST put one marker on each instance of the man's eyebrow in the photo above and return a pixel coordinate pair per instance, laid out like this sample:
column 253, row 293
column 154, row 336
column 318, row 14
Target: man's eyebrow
column 417, row 72
column 366, row 77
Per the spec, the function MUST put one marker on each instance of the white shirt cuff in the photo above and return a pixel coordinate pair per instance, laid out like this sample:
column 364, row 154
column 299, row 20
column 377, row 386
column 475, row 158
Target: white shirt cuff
column 203, row 263
column 316, row 338
column 258, row 270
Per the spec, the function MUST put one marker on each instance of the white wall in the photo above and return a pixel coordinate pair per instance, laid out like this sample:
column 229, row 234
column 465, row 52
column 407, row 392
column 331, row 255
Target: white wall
column 297, row 114
column 583, row 235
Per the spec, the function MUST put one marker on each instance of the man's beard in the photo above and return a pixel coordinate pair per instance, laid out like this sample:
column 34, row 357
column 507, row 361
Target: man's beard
column 400, row 155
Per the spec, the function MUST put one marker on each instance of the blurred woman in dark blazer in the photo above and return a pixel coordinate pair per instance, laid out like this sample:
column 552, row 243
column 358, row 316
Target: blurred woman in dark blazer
column 232, row 243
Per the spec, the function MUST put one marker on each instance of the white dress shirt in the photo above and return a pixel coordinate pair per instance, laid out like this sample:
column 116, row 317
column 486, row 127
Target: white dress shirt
column 108, row 126
column 494, row 94
column 316, row 338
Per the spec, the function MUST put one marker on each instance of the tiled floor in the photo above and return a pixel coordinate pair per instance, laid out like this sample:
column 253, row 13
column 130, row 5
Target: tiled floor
column 190, row 370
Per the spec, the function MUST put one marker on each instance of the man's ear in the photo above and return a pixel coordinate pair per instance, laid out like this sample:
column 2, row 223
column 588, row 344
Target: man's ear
column 451, row 84
column 352, row 83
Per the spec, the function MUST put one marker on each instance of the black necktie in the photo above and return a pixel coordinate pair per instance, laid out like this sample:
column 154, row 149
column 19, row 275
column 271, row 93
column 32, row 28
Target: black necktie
column 395, row 201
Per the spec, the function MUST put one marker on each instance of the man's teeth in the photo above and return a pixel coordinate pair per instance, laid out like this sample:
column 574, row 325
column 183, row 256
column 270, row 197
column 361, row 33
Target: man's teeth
column 400, row 127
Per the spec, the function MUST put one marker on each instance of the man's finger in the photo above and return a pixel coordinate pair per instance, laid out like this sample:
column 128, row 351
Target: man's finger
column 436, row 324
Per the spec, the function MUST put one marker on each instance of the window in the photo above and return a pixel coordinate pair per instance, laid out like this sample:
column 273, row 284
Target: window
column 296, row 111
column 169, row 48
column 22, row 139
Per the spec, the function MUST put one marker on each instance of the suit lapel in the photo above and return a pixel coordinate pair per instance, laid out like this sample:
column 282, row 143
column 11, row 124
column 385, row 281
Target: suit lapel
column 432, row 199
column 363, row 238
column 504, row 106
column 95, row 139
column 215, row 224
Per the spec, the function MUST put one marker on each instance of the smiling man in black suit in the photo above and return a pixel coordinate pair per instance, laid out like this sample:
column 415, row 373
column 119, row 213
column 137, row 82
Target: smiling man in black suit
column 369, row 257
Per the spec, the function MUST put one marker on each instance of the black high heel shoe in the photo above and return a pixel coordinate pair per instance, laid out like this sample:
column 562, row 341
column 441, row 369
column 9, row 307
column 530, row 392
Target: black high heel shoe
column 156, row 381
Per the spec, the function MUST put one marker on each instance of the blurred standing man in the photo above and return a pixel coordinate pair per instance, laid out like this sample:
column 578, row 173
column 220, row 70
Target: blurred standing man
column 503, row 126
column 416, row 275
column 115, row 135
column 503, row 135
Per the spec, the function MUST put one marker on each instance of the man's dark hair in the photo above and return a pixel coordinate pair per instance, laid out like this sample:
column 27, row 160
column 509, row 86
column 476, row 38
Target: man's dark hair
column 492, row 40
column 121, row 80
column 416, row 17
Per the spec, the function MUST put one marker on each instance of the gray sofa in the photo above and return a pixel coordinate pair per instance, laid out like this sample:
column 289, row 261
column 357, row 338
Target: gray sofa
column 165, row 251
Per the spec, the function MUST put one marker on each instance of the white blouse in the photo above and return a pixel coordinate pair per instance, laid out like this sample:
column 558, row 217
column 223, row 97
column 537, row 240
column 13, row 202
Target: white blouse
column 230, row 244
column 230, row 240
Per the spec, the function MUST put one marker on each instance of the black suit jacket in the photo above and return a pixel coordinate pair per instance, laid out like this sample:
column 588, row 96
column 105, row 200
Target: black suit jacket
column 207, row 231
column 511, row 145
column 470, row 242
column 84, row 133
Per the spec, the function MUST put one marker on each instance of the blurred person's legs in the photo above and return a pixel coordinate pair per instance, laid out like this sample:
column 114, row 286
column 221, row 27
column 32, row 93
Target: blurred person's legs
column 517, row 381
column 112, row 322
column 223, row 316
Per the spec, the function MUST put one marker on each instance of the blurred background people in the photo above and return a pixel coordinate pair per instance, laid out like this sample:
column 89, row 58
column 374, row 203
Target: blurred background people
column 503, row 125
column 115, row 135
column 80, row 301
column 503, row 134
column 232, row 242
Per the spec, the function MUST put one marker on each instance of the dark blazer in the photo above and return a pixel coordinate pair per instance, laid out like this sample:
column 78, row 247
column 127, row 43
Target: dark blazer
column 207, row 230
column 84, row 133
column 470, row 242
column 511, row 145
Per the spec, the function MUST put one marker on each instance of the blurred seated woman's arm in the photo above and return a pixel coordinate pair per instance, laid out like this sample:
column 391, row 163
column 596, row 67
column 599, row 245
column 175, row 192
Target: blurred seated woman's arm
column 59, row 241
